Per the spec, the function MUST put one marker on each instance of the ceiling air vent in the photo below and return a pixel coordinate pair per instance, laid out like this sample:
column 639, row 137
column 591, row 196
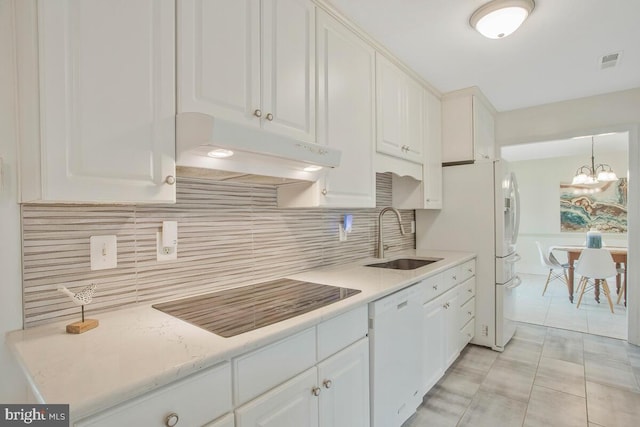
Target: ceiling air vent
column 610, row 60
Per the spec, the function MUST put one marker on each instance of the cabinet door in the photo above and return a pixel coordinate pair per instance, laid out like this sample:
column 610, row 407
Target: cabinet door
column 390, row 107
column 107, row 102
column 288, row 68
column 457, row 129
column 452, row 326
column 432, row 167
column 415, row 121
column 290, row 404
column 344, row 378
column 346, row 111
column 483, row 131
column 434, row 343
column 219, row 58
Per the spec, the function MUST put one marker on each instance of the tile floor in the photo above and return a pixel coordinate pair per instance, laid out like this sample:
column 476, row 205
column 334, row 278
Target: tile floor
column 546, row 377
column 554, row 309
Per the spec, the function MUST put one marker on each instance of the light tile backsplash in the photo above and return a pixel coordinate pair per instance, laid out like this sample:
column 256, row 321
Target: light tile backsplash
column 229, row 234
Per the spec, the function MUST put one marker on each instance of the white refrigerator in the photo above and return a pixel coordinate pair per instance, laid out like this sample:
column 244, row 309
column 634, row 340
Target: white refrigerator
column 480, row 213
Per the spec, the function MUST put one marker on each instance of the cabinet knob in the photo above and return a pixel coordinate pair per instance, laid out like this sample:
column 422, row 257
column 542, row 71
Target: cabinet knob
column 315, row 391
column 257, row 113
column 469, row 290
column 170, row 180
column 171, row 419
column 469, row 313
column 435, row 287
column 324, row 191
column 327, row 383
column 455, row 278
column 270, row 117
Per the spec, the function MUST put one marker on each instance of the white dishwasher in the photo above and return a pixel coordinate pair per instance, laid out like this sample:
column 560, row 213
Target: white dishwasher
column 395, row 344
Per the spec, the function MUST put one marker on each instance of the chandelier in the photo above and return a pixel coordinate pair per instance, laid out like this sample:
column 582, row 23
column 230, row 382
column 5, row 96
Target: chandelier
column 593, row 174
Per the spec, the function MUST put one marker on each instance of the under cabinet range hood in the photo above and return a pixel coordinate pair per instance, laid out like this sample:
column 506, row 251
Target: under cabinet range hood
column 224, row 150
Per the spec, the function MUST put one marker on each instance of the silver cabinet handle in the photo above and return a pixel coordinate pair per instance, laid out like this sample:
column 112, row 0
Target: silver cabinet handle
column 324, row 191
column 257, row 113
column 315, row 391
column 270, row 117
column 327, row 383
column 170, row 179
column 171, row 419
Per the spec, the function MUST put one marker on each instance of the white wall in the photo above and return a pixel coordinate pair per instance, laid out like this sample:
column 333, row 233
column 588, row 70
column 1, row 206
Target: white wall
column 619, row 111
column 539, row 182
column 12, row 386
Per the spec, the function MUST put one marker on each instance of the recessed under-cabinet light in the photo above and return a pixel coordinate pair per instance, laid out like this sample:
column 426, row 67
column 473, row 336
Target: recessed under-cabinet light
column 220, row 153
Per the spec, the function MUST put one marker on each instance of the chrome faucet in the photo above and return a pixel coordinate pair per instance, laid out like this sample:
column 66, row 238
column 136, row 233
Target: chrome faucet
column 380, row 236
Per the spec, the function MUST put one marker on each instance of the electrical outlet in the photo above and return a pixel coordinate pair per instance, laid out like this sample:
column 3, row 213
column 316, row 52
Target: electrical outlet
column 485, row 330
column 165, row 253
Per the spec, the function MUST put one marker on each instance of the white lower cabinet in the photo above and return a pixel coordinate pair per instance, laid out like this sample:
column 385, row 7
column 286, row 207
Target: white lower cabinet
column 334, row 392
column 290, row 404
column 344, row 379
column 448, row 320
column 193, row 401
column 434, row 344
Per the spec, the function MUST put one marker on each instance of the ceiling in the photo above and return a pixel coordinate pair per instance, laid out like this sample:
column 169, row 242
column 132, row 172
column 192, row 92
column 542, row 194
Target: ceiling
column 603, row 144
column 554, row 56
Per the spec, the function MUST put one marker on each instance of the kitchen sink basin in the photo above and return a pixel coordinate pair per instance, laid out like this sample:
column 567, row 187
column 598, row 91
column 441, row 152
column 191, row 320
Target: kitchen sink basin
column 405, row 263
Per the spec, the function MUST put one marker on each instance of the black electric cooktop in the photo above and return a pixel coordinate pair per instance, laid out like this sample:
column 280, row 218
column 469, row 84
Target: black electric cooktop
column 234, row 311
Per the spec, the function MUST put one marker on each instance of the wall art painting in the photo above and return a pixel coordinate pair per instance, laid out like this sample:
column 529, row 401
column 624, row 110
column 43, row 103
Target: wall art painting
column 602, row 206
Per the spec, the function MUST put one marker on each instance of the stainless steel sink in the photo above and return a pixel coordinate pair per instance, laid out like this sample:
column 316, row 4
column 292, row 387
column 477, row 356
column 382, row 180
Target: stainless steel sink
column 405, row 263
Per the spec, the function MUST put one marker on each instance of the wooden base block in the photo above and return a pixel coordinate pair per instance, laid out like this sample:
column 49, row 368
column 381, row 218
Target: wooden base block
column 80, row 327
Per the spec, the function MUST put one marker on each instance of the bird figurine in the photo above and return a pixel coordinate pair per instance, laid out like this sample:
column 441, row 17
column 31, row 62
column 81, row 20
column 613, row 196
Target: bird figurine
column 82, row 297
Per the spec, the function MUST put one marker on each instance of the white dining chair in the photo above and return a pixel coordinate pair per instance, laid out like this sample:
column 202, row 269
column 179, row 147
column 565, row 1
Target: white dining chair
column 556, row 269
column 595, row 265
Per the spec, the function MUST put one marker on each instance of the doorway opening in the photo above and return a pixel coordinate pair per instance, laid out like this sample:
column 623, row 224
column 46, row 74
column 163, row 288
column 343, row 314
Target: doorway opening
column 545, row 171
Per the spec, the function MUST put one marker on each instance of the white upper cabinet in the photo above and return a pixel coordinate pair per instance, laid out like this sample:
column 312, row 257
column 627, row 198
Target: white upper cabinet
column 346, row 121
column 432, row 167
column 468, row 133
column 97, row 104
column 249, row 61
column 401, row 106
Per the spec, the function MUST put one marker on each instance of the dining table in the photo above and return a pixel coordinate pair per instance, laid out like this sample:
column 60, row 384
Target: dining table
column 619, row 255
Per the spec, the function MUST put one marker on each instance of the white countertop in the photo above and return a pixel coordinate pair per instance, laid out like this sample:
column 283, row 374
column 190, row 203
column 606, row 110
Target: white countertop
column 137, row 349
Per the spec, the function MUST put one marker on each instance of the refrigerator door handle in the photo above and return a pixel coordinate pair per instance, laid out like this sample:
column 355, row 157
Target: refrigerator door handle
column 517, row 281
column 513, row 258
column 516, row 190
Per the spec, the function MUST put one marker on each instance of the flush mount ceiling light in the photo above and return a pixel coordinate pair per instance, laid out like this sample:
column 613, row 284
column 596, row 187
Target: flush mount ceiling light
column 593, row 174
column 499, row 18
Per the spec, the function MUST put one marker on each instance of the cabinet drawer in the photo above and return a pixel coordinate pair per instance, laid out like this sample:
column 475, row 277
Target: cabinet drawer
column 339, row 332
column 467, row 270
column 451, row 277
column 265, row 368
column 467, row 312
column 467, row 333
column 467, row 290
column 434, row 286
column 196, row 400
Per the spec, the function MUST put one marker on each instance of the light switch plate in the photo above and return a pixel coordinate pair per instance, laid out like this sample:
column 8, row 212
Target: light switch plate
column 103, row 252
